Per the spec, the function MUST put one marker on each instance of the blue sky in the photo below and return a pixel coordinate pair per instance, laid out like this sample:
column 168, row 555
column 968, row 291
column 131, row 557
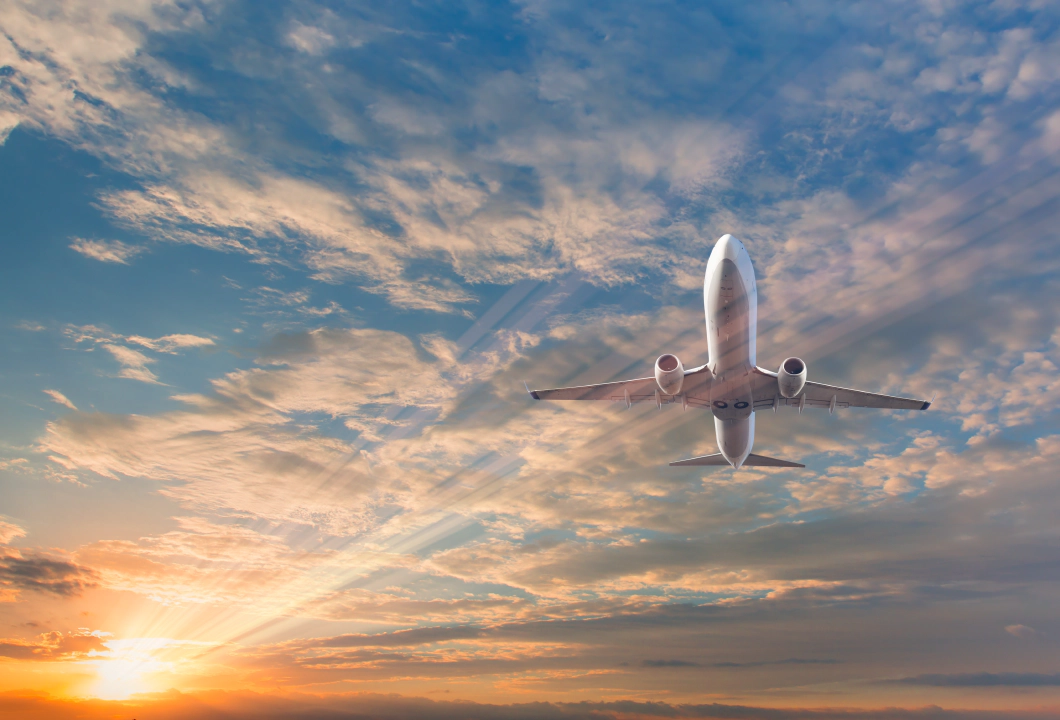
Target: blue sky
column 276, row 273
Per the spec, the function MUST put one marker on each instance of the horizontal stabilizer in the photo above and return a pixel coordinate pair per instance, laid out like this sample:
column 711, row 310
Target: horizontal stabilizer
column 763, row 461
column 717, row 459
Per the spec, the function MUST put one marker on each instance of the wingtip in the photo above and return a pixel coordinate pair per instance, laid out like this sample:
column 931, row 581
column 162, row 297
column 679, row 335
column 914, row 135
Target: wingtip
column 928, row 403
column 532, row 393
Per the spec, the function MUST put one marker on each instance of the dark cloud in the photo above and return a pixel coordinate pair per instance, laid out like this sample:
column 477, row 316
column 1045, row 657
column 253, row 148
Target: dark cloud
column 789, row 661
column 985, row 679
column 237, row 706
column 44, row 574
column 404, row 638
column 668, row 663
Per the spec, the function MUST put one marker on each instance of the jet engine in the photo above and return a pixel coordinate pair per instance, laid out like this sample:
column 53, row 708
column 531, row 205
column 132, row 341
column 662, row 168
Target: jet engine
column 791, row 377
column 669, row 374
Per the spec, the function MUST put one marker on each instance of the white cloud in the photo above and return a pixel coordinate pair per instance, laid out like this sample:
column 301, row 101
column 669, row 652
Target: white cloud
column 171, row 343
column 134, row 364
column 113, row 251
column 58, row 397
column 309, row 39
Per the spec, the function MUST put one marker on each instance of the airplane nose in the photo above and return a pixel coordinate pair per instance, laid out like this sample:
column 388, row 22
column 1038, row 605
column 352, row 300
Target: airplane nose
column 729, row 245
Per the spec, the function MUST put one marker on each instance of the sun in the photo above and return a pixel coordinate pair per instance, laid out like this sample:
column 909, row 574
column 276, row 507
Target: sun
column 117, row 679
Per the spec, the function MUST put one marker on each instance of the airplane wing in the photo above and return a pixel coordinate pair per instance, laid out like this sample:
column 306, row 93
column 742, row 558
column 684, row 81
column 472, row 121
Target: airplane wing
column 766, row 393
column 696, row 389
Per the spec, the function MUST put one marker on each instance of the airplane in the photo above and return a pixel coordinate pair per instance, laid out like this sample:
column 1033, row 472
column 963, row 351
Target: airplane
column 730, row 383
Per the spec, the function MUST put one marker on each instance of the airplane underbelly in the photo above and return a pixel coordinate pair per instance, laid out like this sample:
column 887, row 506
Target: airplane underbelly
column 729, row 330
column 735, row 437
column 730, row 323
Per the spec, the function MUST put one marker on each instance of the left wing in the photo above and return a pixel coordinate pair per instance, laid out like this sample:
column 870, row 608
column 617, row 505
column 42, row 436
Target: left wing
column 766, row 394
column 695, row 389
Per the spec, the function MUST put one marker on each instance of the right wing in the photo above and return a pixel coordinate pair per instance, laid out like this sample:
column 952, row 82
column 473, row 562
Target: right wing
column 696, row 388
column 820, row 395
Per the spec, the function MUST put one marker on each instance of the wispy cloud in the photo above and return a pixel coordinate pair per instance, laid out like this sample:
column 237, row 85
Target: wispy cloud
column 112, row 251
column 171, row 343
column 59, row 398
column 9, row 531
column 1021, row 631
column 134, row 363
column 973, row 680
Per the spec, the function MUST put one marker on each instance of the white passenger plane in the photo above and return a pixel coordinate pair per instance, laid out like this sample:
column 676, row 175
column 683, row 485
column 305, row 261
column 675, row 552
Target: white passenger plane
column 730, row 383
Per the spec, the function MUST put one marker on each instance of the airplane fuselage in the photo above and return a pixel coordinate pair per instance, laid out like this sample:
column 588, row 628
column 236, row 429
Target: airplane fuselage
column 730, row 299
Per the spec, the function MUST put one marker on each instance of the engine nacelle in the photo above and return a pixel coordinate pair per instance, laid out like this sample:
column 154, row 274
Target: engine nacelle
column 791, row 377
column 669, row 374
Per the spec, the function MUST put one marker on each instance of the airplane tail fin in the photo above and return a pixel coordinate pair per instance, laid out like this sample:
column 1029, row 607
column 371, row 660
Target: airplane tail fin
column 717, row 459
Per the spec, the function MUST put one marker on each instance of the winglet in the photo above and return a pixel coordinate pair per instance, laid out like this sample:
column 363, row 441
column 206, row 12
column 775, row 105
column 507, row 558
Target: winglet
column 928, row 403
column 533, row 393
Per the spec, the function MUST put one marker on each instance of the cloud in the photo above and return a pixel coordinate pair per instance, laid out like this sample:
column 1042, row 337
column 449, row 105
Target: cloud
column 238, row 705
column 171, row 343
column 668, row 663
column 566, row 162
column 112, row 251
column 9, row 531
column 404, row 638
column 1021, row 631
column 201, row 562
column 972, row 680
column 309, row 39
column 246, row 435
column 134, row 364
column 21, row 571
column 59, row 398
column 55, row 646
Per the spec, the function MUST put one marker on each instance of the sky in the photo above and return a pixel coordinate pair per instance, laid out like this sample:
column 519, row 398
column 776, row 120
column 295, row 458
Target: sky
column 275, row 274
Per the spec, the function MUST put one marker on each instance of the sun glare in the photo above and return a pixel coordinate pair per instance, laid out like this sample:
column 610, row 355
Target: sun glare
column 124, row 669
column 118, row 679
